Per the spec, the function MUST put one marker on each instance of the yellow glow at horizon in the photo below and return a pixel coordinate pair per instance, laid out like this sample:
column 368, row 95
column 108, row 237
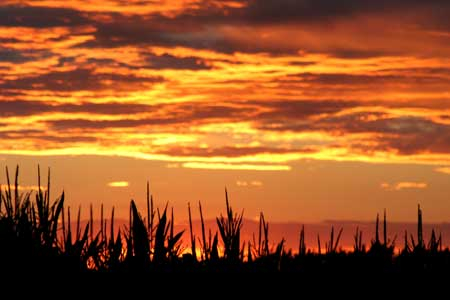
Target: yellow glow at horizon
column 118, row 184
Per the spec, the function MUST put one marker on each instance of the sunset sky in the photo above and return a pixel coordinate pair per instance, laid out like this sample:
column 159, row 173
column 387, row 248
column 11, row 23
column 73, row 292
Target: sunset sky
column 307, row 110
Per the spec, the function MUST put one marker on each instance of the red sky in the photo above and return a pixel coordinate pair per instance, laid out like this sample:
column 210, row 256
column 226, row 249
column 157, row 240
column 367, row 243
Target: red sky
column 306, row 110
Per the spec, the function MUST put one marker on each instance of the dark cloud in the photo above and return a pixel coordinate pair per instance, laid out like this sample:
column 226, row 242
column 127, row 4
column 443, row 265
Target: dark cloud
column 302, row 63
column 407, row 77
column 67, row 124
column 167, row 61
column 26, row 108
column 22, row 108
column 301, row 109
column 78, row 80
column 406, row 135
column 201, row 27
column 160, row 31
column 11, row 55
column 228, row 151
column 182, row 111
column 40, row 135
column 66, row 139
column 274, row 11
column 157, row 62
column 361, row 54
column 179, row 114
column 40, row 17
column 21, row 56
column 378, row 122
column 296, row 115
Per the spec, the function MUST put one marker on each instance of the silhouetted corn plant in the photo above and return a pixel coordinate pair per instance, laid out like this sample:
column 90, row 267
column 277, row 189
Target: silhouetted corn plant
column 385, row 249
column 230, row 232
column 75, row 249
column 435, row 244
column 332, row 246
column 114, row 253
column 302, row 244
column 174, row 246
column 193, row 250
column 205, row 245
column 150, row 218
column 358, row 246
column 419, row 247
column 139, row 238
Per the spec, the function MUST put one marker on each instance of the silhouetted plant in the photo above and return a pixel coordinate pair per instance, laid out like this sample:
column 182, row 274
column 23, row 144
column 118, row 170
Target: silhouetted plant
column 230, row 232
column 193, row 250
column 331, row 246
column 385, row 249
column 302, row 244
column 358, row 246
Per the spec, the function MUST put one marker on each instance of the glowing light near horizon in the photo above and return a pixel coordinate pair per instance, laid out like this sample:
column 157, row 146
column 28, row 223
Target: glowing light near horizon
column 24, row 187
column 118, row 184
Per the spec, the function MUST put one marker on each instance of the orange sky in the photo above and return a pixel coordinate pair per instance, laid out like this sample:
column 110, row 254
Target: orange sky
column 307, row 110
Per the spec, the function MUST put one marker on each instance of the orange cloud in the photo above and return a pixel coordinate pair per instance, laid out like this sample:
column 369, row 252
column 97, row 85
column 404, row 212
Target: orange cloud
column 445, row 170
column 253, row 183
column 404, row 185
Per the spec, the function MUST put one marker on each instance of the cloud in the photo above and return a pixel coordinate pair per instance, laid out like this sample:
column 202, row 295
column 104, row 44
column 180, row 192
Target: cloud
column 283, row 26
column 40, row 17
column 10, row 108
column 444, row 170
column 49, row 139
column 228, row 28
column 80, row 80
column 103, row 124
column 295, row 115
column 21, row 56
column 226, row 166
column 403, row 185
column 407, row 135
column 229, row 151
column 167, row 61
column 254, row 183
column 118, row 184
column 184, row 113
column 404, row 134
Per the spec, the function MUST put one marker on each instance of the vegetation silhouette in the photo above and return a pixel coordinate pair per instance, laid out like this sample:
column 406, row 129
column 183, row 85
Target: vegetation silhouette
column 38, row 234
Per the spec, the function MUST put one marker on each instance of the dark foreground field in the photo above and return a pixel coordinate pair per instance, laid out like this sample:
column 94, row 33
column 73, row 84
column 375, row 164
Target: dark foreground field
column 40, row 236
